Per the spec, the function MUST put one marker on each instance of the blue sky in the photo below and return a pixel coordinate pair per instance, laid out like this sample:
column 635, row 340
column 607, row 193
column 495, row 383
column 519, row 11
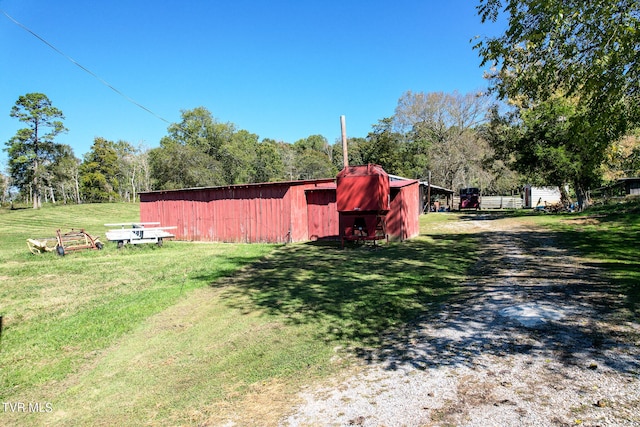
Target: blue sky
column 283, row 70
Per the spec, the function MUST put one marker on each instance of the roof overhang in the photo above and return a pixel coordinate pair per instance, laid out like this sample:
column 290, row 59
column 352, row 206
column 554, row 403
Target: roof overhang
column 321, row 181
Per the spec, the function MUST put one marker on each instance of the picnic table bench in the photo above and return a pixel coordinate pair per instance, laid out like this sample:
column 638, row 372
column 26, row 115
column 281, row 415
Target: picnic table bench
column 138, row 233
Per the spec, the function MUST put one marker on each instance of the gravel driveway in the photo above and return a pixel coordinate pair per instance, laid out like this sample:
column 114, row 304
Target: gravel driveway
column 536, row 342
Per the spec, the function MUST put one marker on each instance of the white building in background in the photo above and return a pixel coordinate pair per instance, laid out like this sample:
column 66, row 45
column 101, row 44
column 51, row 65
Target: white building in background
column 540, row 196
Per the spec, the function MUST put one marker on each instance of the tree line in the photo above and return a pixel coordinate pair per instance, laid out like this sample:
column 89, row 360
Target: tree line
column 445, row 136
column 202, row 151
column 562, row 110
column 42, row 170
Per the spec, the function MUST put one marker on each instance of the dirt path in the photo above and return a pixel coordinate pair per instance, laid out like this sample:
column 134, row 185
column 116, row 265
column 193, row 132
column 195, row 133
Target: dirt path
column 535, row 343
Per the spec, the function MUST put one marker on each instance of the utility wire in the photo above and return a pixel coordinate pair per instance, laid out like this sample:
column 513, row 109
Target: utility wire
column 81, row 66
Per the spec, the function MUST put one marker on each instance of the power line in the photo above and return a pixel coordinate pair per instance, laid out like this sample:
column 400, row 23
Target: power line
column 81, row 66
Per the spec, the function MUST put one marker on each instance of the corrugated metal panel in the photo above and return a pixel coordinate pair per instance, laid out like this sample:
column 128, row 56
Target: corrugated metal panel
column 631, row 185
column 322, row 214
column 277, row 212
column 246, row 214
column 501, row 202
column 274, row 212
column 362, row 188
column 299, row 227
column 402, row 219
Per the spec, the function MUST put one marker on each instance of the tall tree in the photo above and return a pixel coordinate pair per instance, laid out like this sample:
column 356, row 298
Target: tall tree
column 288, row 155
column 137, row 172
column 552, row 143
column 175, row 166
column 99, row 172
column 355, row 147
column 586, row 51
column 623, row 158
column 384, row 146
column 313, row 158
column 33, row 149
column 5, row 182
column 130, row 169
column 311, row 164
column 66, row 175
column 238, row 157
column 191, row 154
column 269, row 166
column 441, row 136
column 199, row 129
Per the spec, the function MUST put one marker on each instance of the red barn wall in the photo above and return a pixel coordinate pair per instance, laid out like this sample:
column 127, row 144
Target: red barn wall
column 322, row 214
column 298, row 215
column 403, row 217
column 274, row 212
column 362, row 188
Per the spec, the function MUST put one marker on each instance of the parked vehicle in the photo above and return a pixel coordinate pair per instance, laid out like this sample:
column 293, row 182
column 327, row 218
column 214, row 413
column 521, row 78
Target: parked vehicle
column 469, row 198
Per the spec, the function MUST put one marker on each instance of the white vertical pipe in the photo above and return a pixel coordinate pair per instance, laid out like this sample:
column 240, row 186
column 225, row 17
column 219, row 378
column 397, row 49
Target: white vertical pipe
column 345, row 154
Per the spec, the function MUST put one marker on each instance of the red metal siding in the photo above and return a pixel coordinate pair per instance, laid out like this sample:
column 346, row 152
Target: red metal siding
column 245, row 214
column 322, row 214
column 299, row 223
column 274, row 212
column 277, row 212
column 402, row 219
column 362, row 188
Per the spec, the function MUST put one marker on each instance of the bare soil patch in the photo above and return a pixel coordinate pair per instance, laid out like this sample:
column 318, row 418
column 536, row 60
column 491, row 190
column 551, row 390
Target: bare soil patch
column 540, row 340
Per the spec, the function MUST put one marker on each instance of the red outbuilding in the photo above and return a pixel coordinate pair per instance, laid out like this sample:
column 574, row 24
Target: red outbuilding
column 404, row 210
column 363, row 195
column 277, row 212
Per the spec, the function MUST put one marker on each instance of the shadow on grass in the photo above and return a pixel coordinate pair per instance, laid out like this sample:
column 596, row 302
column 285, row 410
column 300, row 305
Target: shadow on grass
column 613, row 245
column 493, row 215
column 436, row 300
column 354, row 294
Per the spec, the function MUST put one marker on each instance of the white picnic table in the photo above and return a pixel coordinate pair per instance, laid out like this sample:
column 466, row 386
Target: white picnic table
column 136, row 233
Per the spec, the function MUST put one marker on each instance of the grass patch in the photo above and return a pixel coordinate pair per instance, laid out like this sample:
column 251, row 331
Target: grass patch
column 607, row 235
column 188, row 364
column 57, row 311
column 184, row 334
column 195, row 333
column 353, row 295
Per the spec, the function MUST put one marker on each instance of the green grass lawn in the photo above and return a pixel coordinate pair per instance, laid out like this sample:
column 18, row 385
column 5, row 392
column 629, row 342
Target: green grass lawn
column 59, row 312
column 195, row 333
column 608, row 236
column 191, row 330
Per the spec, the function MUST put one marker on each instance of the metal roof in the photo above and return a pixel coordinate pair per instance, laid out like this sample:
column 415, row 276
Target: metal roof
column 397, row 178
column 260, row 184
column 437, row 187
